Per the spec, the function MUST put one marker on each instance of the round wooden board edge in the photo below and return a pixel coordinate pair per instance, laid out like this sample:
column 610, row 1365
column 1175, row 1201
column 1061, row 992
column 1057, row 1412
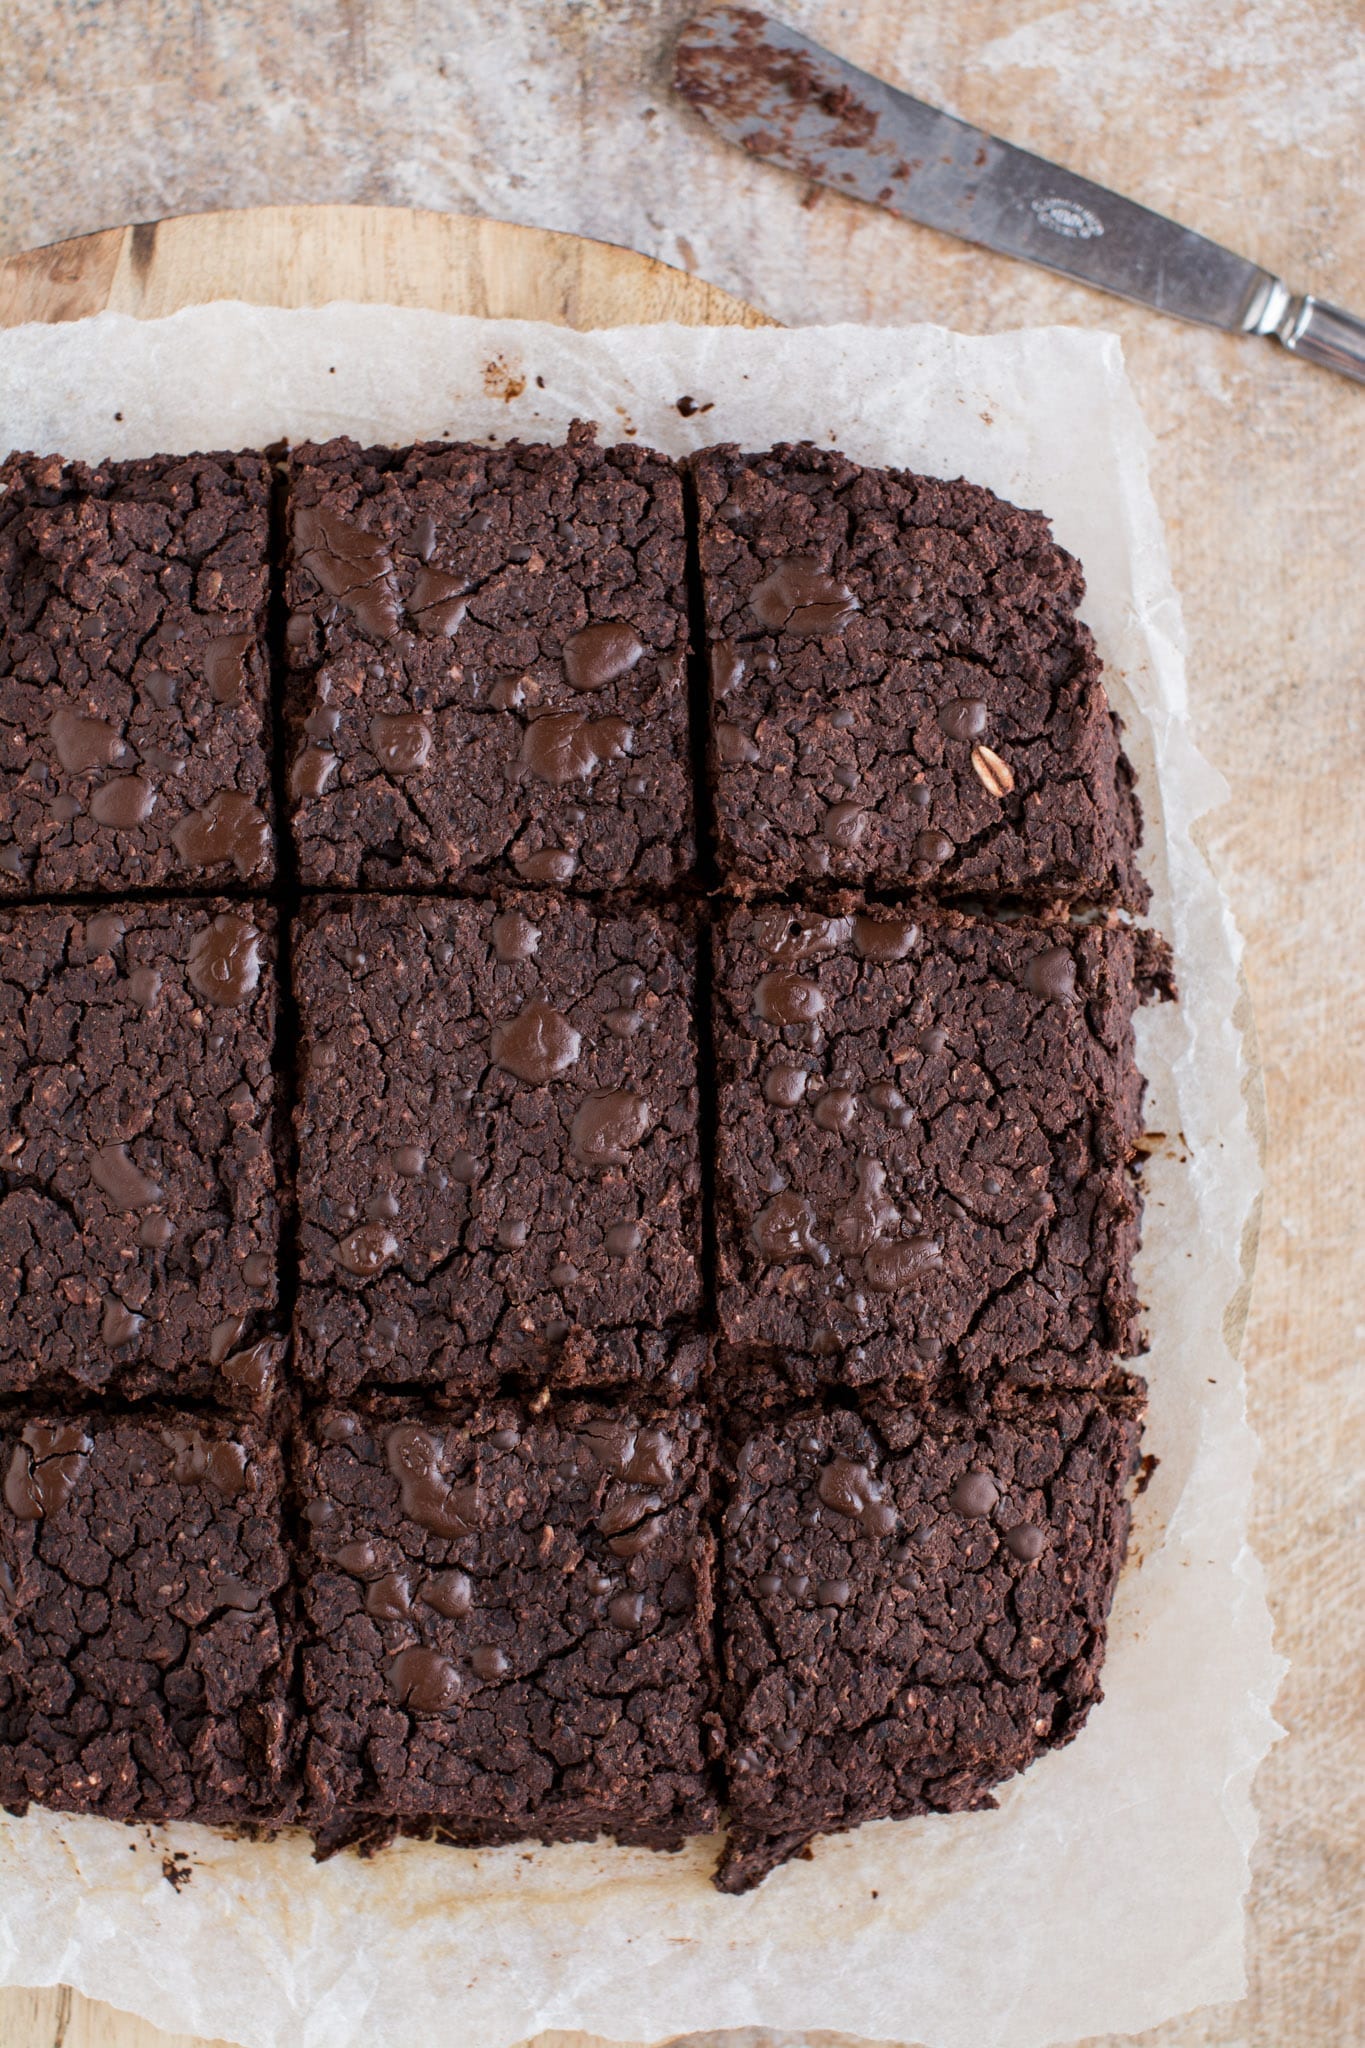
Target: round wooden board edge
column 400, row 256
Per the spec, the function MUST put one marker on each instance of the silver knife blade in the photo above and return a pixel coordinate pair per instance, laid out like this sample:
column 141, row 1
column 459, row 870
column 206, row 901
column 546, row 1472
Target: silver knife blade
column 782, row 97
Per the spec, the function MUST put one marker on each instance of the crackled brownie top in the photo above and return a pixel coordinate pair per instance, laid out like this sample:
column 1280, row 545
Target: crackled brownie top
column 506, row 1620
column 498, row 1150
column 923, row 1136
column 488, row 648
column 133, row 673
column 143, row 1590
column 911, row 1608
column 901, row 690
column 138, row 1216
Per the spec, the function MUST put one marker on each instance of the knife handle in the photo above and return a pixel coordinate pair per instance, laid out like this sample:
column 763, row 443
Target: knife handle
column 1325, row 334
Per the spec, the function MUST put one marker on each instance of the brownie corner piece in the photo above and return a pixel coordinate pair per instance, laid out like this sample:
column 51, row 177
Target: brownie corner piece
column 902, row 693
column 913, row 1605
column 134, row 674
column 506, row 1621
column 145, row 1630
column 498, row 1143
column 925, row 1131
column 139, row 1214
column 487, row 649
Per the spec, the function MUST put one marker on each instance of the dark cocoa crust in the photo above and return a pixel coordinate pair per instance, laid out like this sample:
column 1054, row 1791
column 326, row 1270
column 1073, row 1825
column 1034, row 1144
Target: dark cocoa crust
column 918, row 1664
column 185, row 1087
column 593, row 1725
column 960, row 596
column 398, row 1052
column 145, row 1632
column 887, row 1643
column 570, row 535
column 1027, row 1281
column 109, row 577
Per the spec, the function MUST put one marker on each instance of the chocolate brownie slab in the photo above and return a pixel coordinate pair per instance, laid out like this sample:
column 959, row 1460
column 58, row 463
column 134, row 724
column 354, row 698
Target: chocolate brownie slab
column 901, row 690
column 498, row 1148
column 133, row 674
column 144, row 1632
column 487, row 648
column 912, row 1607
column 924, row 1133
column 506, row 1622
column 139, row 1222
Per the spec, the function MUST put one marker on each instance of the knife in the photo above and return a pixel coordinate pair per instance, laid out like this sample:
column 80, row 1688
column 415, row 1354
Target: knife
column 782, row 97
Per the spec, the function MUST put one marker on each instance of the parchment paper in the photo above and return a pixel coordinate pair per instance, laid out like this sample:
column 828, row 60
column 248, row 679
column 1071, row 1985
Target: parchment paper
column 1106, row 1893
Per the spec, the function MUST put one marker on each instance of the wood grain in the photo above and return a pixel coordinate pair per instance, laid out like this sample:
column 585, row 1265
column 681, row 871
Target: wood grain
column 307, row 255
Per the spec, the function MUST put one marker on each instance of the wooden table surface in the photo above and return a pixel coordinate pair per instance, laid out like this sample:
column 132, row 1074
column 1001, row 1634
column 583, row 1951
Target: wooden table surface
column 1258, row 470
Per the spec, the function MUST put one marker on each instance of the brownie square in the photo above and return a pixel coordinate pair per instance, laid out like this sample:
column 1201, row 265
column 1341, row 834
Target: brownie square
column 134, row 681
column 144, row 1619
column 487, row 649
column 901, row 691
column 506, row 1622
column 139, row 1221
column 498, row 1146
column 925, row 1126
column 912, row 1607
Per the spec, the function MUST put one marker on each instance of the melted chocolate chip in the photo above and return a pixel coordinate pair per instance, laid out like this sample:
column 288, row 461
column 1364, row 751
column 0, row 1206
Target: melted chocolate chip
column 401, row 741
column 225, row 666
column 798, row 597
column 389, row 1598
column 423, row 1681
column 126, row 1185
column 600, row 653
column 311, row 772
column 221, row 1465
column 83, row 743
column 352, row 566
column 514, row 936
column 974, row 1494
column 849, row 1489
column 536, row 1045
column 225, row 961
column 368, row 1250
column 786, row 1229
column 782, row 998
column 884, row 938
column 124, row 803
column 962, row 718
column 608, row 1126
column 1052, row 974
column 447, row 1593
column 414, row 1458
column 438, row 603
column 895, row 1263
column 44, row 1469
column 229, row 828
column 727, row 668
column 564, row 747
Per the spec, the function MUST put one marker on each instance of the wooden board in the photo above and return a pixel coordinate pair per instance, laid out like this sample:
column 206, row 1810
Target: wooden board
column 306, row 255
